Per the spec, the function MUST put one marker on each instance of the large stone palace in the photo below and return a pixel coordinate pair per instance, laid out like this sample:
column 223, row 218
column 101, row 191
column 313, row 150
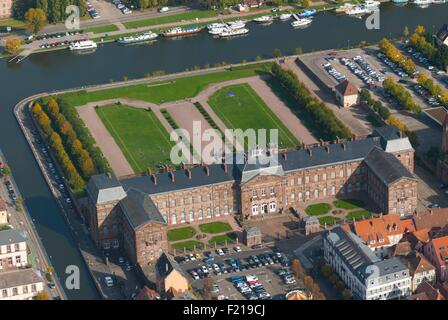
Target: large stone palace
column 134, row 213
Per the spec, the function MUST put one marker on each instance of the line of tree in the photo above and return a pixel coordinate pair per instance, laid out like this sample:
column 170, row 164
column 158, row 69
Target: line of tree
column 436, row 90
column 54, row 10
column 88, row 142
column 79, row 155
column 401, row 95
column 55, row 142
column 332, row 127
column 425, row 44
column 327, row 272
column 403, row 128
column 376, row 105
column 392, row 53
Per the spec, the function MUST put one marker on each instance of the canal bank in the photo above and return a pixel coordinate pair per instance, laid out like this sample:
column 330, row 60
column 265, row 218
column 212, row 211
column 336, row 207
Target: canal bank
column 47, row 72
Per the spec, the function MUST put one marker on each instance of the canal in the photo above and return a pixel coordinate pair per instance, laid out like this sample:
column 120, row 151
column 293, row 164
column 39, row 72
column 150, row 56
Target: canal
column 62, row 69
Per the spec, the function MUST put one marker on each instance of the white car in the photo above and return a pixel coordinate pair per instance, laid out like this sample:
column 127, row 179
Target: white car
column 237, row 249
column 192, row 257
column 164, row 9
column 220, row 252
column 109, row 282
column 204, row 269
column 194, row 275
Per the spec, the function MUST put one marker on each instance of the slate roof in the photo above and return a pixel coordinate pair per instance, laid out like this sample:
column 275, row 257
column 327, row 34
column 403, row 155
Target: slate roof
column 11, row 236
column 103, row 188
column 165, row 264
column 139, row 209
column 392, row 139
column 386, row 166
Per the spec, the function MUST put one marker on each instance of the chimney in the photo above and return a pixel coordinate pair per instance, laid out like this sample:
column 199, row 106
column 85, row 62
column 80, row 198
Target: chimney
column 310, row 152
column 285, row 156
column 207, row 170
column 172, row 176
column 188, row 171
column 154, row 178
column 344, row 147
column 327, row 148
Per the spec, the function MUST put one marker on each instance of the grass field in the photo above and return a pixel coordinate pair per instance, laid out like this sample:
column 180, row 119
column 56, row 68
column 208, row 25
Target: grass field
column 229, row 237
column 166, row 91
column 348, row 204
column 13, row 23
column 329, row 220
column 181, row 233
column 215, row 227
column 358, row 215
column 189, row 245
column 139, row 134
column 317, row 209
column 239, row 107
column 102, row 29
column 190, row 15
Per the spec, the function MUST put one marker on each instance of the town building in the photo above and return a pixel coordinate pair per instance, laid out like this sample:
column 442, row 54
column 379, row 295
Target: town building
column 6, row 9
column 135, row 213
column 147, row 294
column 366, row 275
column 381, row 234
column 421, row 270
column 171, row 281
column 436, row 251
column 23, row 284
column 252, row 236
column 427, row 291
column 442, row 35
column 3, row 212
column 13, row 250
column 346, row 94
column 433, row 220
column 311, row 225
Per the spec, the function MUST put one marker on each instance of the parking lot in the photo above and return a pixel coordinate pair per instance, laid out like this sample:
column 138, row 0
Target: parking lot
column 229, row 269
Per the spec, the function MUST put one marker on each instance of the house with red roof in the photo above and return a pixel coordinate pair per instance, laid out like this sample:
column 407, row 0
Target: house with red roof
column 436, row 251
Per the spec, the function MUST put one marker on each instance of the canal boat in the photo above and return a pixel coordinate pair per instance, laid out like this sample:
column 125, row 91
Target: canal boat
column 285, row 16
column 438, row 1
column 147, row 36
column 237, row 24
column 301, row 22
column 344, row 8
column 233, row 32
column 264, row 19
column 216, row 25
column 178, row 31
column 369, row 4
column 308, row 13
column 83, row 45
column 400, row 1
column 422, row 3
column 218, row 30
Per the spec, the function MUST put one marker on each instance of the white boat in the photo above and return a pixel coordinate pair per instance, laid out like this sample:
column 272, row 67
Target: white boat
column 344, row 8
column 216, row 25
column 422, row 2
column 218, row 30
column 371, row 4
column 264, row 19
column 438, row 1
column 357, row 11
column 238, row 24
column 301, row 22
column 147, row 36
column 234, row 32
column 285, row 16
column 83, row 45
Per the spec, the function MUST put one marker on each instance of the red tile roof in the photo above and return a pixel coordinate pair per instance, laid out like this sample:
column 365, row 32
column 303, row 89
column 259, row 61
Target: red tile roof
column 345, row 88
column 431, row 218
column 441, row 249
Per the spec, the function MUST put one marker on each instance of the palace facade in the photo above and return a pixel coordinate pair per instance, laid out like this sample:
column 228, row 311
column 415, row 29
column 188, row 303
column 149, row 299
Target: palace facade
column 135, row 212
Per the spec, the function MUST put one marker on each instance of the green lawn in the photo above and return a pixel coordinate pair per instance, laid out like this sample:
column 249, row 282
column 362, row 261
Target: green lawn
column 102, row 29
column 13, row 23
column 230, row 237
column 318, row 209
column 165, row 91
column 215, row 227
column 189, row 245
column 239, row 107
column 190, row 15
column 358, row 215
column 181, row 233
column 348, row 204
column 139, row 134
column 329, row 220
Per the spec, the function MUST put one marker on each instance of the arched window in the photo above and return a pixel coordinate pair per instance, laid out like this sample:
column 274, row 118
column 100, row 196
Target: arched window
column 191, row 216
column 255, row 209
column 316, row 194
column 226, row 210
column 182, row 216
column 272, row 207
column 209, row 212
column 264, row 208
column 173, row 218
column 200, row 214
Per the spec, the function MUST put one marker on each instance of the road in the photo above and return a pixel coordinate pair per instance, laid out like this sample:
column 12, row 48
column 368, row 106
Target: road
column 21, row 220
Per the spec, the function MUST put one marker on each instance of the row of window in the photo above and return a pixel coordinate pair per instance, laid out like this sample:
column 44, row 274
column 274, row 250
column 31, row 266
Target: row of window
column 15, row 290
column 323, row 177
column 182, row 201
column 263, row 208
column 9, row 248
column 192, row 215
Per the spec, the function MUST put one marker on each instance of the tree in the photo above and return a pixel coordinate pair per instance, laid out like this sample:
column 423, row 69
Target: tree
column 346, row 295
column 308, row 282
column 6, row 171
column 35, row 20
column 305, row 4
column 12, row 45
column 420, row 30
column 42, row 295
column 326, row 271
column 297, row 268
column 143, row 4
column 298, row 51
column 406, row 32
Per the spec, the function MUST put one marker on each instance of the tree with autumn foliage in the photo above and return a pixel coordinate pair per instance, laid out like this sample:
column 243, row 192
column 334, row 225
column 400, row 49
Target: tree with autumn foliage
column 12, row 45
column 35, row 20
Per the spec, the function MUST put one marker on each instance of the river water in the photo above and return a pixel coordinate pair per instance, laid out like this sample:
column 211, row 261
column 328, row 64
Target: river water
column 62, row 69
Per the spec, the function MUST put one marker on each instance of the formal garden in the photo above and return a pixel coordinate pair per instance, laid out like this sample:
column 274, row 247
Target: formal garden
column 197, row 237
column 338, row 211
